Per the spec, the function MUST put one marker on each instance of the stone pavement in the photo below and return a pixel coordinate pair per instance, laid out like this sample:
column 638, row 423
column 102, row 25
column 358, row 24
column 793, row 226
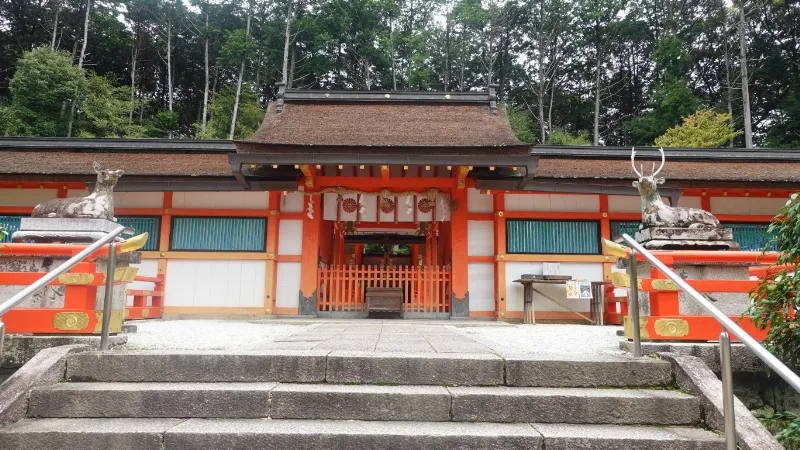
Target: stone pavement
column 407, row 336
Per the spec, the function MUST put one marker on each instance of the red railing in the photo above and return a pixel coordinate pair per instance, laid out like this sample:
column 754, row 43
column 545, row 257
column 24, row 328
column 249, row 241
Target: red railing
column 665, row 321
column 140, row 308
column 342, row 287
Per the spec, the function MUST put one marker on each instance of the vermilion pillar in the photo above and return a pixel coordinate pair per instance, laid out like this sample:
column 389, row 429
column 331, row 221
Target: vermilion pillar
column 500, row 252
column 309, row 260
column 273, row 222
column 458, row 239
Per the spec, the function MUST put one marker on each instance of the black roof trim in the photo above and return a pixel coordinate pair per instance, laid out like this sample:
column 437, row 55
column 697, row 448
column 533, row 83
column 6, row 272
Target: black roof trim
column 112, row 145
column 323, row 96
column 672, row 154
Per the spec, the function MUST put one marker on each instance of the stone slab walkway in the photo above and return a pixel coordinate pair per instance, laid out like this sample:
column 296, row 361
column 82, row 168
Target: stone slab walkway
column 408, row 336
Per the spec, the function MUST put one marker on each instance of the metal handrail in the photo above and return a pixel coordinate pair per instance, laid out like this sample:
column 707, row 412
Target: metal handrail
column 728, row 325
column 68, row 264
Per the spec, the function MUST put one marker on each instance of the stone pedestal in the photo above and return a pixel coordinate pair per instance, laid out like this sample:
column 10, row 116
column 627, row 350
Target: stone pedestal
column 665, row 238
column 48, row 230
column 53, row 296
column 730, row 303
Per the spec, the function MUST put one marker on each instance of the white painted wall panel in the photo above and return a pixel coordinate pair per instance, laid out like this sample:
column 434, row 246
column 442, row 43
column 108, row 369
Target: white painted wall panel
column 293, row 202
column 689, row 202
column 746, row 205
column 288, row 287
column 481, row 286
column 624, row 203
column 290, row 237
column 406, row 205
column 579, row 271
column 479, row 203
column 147, row 268
column 138, row 199
column 28, row 197
column 480, row 238
column 221, row 200
column 553, row 202
column 329, row 206
column 215, row 283
column 574, row 203
column 370, row 213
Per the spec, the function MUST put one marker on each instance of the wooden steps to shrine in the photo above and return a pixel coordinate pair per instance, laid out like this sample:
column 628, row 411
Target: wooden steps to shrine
column 358, row 400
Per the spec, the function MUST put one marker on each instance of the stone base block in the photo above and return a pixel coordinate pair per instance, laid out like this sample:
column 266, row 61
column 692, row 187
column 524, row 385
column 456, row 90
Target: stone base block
column 664, row 238
column 43, row 229
column 743, row 360
column 19, row 348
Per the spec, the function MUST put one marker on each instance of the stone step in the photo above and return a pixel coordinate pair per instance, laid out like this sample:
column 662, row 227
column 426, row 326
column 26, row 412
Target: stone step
column 368, row 368
column 172, row 434
column 365, row 402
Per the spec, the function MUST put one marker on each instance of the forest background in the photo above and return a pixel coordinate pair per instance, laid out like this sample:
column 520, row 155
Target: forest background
column 570, row 72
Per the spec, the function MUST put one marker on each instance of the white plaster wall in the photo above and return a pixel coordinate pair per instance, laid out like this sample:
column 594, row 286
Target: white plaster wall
column 552, row 202
column 479, row 203
column 579, row 271
column 287, row 290
column 406, row 205
column 481, row 286
column 624, row 203
column 147, row 268
column 290, row 237
column 128, row 199
column 329, row 206
column 689, row 202
column 28, row 197
column 480, row 238
column 221, row 200
column 218, row 283
column 747, row 205
column 292, row 202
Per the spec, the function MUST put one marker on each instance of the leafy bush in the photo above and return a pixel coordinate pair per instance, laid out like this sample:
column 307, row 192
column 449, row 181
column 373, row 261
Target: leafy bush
column 776, row 295
column 703, row 129
column 561, row 137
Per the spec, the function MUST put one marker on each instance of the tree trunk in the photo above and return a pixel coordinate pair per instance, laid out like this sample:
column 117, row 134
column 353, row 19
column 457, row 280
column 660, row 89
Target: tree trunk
column 287, row 37
column 447, row 54
column 596, row 138
column 80, row 63
column 290, row 82
column 205, row 89
column 394, row 60
column 169, row 66
column 241, row 76
column 748, row 127
column 728, row 77
column 55, row 28
column 214, row 92
column 134, row 57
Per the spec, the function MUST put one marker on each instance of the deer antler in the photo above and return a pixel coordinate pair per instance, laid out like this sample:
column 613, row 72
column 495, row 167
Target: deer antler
column 663, row 160
column 633, row 158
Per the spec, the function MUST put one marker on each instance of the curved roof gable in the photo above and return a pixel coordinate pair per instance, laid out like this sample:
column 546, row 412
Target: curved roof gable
column 402, row 120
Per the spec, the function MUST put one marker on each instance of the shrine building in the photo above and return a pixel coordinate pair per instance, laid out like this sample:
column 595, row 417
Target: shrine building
column 425, row 197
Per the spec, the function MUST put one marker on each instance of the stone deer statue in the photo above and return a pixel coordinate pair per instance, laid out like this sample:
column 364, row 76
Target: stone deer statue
column 655, row 213
column 97, row 205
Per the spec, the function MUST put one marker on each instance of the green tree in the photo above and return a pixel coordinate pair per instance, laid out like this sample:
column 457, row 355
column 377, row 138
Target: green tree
column 247, row 120
column 521, row 124
column 776, row 295
column 104, row 111
column 703, row 129
column 44, row 81
column 671, row 101
column 561, row 137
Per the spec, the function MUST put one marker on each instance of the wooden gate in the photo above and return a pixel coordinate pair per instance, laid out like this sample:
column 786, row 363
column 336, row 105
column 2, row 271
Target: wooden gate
column 341, row 287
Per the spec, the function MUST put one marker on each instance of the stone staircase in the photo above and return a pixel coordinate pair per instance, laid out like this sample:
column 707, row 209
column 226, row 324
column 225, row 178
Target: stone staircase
column 287, row 400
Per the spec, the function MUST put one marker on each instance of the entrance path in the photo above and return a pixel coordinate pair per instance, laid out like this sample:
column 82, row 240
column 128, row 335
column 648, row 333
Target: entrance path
column 408, row 336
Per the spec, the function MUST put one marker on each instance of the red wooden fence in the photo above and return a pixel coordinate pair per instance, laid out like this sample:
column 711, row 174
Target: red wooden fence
column 140, row 309
column 342, row 287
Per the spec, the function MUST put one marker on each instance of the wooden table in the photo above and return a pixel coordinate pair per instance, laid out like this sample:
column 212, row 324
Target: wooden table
column 528, row 290
column 384, row 299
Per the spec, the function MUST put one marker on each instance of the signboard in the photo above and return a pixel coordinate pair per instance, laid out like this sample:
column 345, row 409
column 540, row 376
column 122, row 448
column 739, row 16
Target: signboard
column 579, row 289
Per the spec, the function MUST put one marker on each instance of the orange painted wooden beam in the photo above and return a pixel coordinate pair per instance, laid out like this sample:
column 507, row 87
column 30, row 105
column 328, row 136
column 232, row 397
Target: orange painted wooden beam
column 51, row 249
column 701, row 328
column 385, row 174
column 40, row 320
column 145, row 293
column 717, row 192
column 460, row 174
column 310, row 252
column 271, row 247
column 28, row 278
column 499, row 251
column 40, row 185
column 706, row 285
column 309, row 175
column 458, row 245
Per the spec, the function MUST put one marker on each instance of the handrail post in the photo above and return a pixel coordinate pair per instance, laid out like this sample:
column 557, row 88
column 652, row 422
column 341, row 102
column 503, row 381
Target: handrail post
column 109, row 295
column 2, row 337
column 633, row 307
column 727, row 389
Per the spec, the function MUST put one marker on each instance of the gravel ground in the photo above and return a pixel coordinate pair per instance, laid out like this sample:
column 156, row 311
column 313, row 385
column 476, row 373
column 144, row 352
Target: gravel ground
column 548, row 339
column 208, row 334
column 499, row 337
